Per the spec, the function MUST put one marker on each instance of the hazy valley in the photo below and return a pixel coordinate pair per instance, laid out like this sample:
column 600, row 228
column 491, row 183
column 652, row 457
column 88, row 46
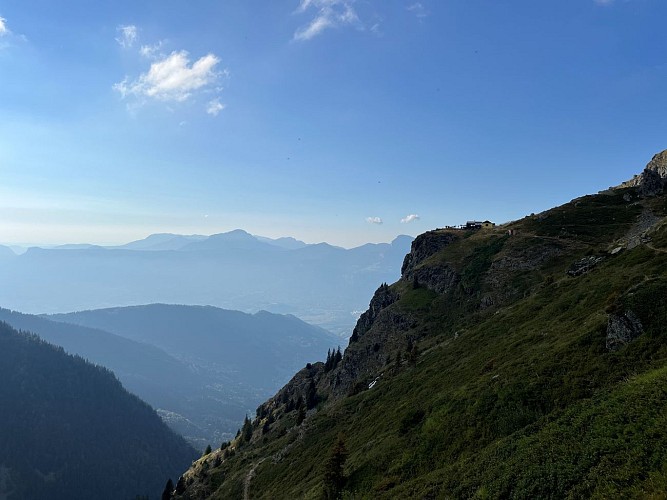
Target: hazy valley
column 333, row 250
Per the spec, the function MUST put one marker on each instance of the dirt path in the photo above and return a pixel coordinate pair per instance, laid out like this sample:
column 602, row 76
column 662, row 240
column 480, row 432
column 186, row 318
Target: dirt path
column 248, row 478
column 656, row 249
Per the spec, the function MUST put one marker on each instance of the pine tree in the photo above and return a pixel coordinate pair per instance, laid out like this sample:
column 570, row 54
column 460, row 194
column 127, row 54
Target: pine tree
column 334, row 470
column 328, row 364
column 338, row 357
column 207, row 450
column 246, row 431
column 311, row 395
column 168, row 489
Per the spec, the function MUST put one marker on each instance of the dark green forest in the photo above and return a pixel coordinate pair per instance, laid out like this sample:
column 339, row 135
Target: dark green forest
column 69, row 430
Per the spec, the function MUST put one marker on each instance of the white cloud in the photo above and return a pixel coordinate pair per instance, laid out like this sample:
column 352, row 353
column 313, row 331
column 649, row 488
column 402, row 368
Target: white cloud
column 374, row 220
column 417, row 9
column 409, row 218
column 172, row 78
column 151, row 51
column 127, row 35
column 214, row 107
column 330, row 14
column 3, row 27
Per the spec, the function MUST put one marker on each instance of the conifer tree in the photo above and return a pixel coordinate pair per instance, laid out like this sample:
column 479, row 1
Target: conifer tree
column 338, row 357
column 328, row 364
column 246, row 431
column 168, row 489
column 334, row 470
column 311, row 395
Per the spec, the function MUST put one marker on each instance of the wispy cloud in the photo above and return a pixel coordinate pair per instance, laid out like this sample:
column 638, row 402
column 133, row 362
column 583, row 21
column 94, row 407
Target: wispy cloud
column 172, row 78
column 409, row 218
column 374, row 220
column 418, row 10
column 330, row 14
column 151, row 51
column 3, row 27
column 214, row 107
column 127, row 35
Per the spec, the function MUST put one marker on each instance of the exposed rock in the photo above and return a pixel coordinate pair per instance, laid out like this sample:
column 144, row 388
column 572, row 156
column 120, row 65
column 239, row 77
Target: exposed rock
column 653, row 179
column 423, row 247
column 651, row 184
column 659, row 164
column 638, row 233
column 622, row 329
column 299, row 384
column 365, row 359
column 584, row 265
column 440, row 278
column 486, row 302
column 383, row 297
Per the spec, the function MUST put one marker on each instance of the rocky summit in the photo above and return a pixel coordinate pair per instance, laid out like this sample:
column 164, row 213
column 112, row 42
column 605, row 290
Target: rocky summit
column 654, row 177
column 527, row 360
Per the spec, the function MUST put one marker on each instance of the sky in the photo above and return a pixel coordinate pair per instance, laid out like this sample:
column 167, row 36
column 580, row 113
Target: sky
column 346, row 121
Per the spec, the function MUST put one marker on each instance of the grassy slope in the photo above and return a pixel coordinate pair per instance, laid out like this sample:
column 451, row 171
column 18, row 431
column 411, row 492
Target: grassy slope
column 519, row 401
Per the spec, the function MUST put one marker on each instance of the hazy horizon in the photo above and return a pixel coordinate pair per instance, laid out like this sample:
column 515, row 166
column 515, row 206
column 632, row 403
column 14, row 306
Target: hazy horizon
column 328, row 120
column 56, row 243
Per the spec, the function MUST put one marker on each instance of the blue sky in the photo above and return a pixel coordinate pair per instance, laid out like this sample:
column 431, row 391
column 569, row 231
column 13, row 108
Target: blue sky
column 318, row 118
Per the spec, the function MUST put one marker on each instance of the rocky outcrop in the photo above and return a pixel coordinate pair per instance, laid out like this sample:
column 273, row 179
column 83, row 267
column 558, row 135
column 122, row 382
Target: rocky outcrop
column 639, row 232
column 440, row 278
column 383, row 297
column 366, row 358
column 653, row 179
column 584, row 265
column 622, row 329
column 300, row 387
column 424, row 246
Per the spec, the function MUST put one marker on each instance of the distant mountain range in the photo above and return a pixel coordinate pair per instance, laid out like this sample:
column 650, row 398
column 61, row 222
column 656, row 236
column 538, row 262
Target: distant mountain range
column 68, row 429
column 522, row 361
column 322, row 284
column 202, row 368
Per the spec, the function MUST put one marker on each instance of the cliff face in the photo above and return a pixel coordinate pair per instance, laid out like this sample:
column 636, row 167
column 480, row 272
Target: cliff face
column 653, row 179
column 459, row 374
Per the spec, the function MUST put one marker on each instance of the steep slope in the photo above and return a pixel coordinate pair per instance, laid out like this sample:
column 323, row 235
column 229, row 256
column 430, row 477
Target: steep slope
column 201, row 405
column 525, row 361
column 68, row 429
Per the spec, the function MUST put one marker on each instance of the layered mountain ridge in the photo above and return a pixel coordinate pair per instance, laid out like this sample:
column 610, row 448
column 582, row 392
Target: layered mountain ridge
column 527, row 360
column 202, row 368
column 322, row 284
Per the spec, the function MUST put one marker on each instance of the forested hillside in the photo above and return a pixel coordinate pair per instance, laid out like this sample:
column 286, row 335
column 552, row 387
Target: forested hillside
column 69, row 430
column 201, row 368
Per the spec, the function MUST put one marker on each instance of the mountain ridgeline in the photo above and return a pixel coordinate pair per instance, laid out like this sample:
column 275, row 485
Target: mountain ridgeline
column 69, row 430
column 202, row 368
column 322, row 284
column 523, row 361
